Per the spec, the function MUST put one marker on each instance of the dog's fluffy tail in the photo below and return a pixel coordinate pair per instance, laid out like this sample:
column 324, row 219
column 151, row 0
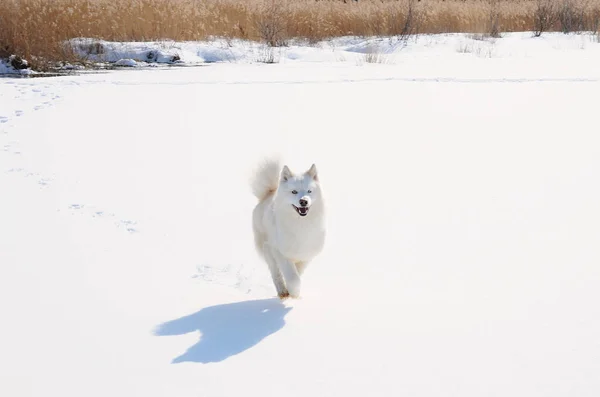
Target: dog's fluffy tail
column 266, row 178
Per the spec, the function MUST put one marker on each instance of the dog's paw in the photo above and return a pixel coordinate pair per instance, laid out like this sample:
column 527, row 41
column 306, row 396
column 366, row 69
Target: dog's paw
column 283, row 295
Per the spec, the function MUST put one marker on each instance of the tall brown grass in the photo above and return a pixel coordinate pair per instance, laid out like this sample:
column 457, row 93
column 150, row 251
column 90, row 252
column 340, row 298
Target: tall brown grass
column 37, row 29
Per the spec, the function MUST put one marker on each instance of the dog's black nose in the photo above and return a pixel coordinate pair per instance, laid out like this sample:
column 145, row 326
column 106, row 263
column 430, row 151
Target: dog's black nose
column 303, row 202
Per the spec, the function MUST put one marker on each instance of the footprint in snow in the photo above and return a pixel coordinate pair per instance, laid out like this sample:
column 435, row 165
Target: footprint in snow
column 128, row 225
column 44, row 182
column 10, row 148
column 94, row 212
column 242, row 278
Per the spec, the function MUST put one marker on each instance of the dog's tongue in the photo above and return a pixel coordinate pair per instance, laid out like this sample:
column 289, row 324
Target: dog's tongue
column 303, row 210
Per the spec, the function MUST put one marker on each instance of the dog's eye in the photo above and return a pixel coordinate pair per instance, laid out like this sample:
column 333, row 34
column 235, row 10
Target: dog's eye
column 310, row 191
column 294, row 192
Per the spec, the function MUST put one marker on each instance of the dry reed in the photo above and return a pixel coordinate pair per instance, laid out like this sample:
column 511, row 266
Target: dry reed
column 37, row 29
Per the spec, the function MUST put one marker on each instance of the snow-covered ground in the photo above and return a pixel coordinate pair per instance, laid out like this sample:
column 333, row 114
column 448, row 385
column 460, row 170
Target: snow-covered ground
column 462, row 258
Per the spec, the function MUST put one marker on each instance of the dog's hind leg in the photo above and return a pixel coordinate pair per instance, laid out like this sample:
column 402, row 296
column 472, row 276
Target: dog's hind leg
column 301, row 267
column 282, row 291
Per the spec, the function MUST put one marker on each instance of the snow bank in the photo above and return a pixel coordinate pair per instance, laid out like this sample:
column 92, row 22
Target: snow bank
column 548, row 48
column 344, row 49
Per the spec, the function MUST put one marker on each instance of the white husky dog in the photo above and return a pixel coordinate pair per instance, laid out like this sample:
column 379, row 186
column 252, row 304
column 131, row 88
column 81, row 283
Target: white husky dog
column 288, row 222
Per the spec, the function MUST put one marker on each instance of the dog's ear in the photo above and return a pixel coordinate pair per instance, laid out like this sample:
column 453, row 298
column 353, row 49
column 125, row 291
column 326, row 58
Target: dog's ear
column 313, row 172
column 285, row 173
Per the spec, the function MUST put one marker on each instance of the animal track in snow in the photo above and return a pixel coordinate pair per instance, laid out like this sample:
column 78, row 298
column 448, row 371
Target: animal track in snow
column 31, row 97
column 25, row 97
column 43, row 181
column 240, row 277
column 94, row 212
column 128, row 225
column 11, row 147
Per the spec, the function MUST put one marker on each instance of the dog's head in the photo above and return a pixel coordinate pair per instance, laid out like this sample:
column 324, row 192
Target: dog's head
column 300, row 191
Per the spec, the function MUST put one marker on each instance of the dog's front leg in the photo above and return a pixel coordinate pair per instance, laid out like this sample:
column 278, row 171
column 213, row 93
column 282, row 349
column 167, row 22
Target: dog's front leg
column 282, row 291
column 290, row 273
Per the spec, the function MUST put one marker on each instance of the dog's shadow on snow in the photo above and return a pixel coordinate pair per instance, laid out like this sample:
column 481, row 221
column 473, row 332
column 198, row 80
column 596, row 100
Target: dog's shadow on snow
column 227, row 329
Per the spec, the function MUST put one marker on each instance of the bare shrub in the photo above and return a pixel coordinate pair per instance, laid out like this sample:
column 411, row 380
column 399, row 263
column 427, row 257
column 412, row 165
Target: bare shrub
column 267, row 54
column 593, row 20
column 544, row 17
column 399, row 19
column 494, row 19
column 409, row 22
column 271, row 23
column 571, row 17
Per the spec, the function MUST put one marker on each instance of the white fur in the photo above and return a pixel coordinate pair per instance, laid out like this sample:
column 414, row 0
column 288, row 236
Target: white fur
column 285, row 239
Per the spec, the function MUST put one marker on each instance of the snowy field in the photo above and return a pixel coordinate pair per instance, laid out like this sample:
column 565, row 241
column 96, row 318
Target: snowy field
column 462, row 258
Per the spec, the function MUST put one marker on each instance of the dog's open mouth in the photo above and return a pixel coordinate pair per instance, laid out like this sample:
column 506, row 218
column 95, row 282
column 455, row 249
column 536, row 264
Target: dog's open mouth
column 302, row 211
